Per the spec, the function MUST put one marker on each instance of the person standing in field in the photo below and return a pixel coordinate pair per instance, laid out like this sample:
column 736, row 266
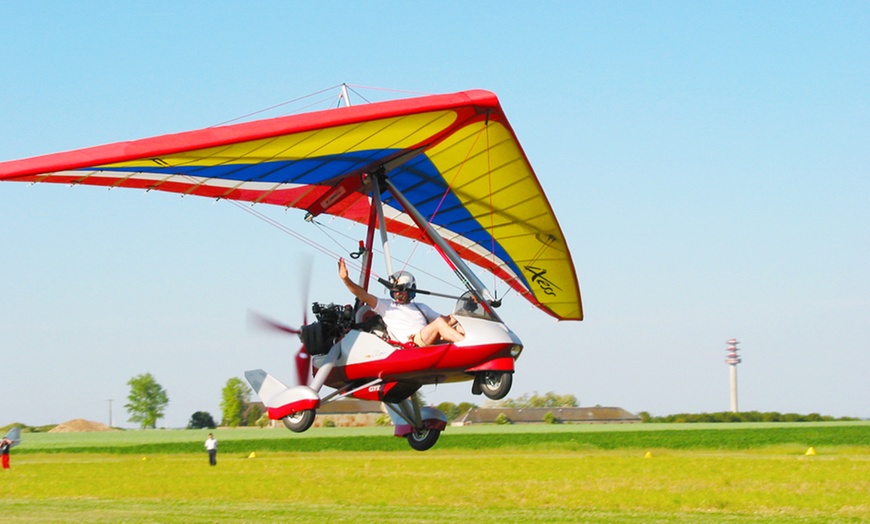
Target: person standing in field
column 211, row 447
column 5, row 444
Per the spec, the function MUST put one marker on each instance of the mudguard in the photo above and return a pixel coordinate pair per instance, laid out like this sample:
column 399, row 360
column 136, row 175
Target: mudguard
column 279, row 399
column 431, row 419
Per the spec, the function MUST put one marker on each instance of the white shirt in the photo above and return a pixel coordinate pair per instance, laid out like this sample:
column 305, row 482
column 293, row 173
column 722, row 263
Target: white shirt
column 404, row 320
column 210, row 444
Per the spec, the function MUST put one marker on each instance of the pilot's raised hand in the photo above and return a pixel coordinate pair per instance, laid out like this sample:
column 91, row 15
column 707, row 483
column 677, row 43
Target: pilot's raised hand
column 342, row 269
column 355, row 288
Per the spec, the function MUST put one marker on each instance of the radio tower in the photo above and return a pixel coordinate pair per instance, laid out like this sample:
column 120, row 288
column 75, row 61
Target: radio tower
column 732, row 360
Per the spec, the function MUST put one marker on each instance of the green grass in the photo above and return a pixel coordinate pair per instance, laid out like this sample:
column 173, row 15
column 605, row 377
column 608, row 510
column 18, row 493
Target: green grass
column 494, row 474
column 741, row 436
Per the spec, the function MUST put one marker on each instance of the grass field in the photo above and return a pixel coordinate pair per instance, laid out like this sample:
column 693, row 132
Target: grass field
column 577, row 473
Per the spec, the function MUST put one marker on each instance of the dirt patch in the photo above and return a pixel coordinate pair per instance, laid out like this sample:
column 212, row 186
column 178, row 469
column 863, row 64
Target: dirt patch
column 79, row 425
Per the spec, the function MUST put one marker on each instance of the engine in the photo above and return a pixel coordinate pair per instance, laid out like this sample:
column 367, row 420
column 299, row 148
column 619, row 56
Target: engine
column 333, row 322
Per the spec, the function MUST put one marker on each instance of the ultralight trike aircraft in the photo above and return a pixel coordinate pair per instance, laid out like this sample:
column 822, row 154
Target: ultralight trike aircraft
column 445, row 170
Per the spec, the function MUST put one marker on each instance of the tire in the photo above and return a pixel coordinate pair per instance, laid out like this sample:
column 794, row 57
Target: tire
column 423, row 439
column 495, row 384
column 299, row 421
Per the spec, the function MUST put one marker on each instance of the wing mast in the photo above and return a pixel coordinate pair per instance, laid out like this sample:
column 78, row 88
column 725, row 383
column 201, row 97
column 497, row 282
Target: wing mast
column 376, row 219
column 378, row 204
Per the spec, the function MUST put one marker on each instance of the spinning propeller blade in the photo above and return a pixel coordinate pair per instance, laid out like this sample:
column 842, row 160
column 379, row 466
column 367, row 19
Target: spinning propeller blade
column 266, row 322
column 305, row 281
column 303, row 367
column 302, row 358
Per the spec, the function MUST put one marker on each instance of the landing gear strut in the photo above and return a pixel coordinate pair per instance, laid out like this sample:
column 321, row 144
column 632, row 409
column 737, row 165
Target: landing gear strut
column 421, row 426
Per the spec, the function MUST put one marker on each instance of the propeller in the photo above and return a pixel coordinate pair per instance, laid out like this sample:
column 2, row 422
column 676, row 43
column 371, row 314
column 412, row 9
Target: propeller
column 303, row 367
column 267, row 323
column 302, row 358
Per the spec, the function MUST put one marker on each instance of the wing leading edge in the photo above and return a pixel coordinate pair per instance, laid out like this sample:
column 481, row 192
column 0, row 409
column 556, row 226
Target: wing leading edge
column 455, row 157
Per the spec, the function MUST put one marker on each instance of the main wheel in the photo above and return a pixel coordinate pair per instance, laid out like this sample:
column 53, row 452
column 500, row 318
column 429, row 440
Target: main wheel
column 495, row 384
column 299, row 421
column 423, row 439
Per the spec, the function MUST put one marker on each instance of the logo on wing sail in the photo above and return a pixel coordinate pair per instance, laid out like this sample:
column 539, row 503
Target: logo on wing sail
column 538, row 276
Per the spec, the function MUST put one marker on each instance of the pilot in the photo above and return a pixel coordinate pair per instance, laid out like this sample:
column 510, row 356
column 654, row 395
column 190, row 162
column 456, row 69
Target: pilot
column 406, row 321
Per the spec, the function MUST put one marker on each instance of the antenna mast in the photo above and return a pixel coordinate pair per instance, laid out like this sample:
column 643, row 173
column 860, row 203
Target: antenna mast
column 732, row 360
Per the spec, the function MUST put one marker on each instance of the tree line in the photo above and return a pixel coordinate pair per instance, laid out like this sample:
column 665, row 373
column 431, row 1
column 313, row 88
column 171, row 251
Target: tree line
column 529, row 400
column 148, row 400
column 741, row 416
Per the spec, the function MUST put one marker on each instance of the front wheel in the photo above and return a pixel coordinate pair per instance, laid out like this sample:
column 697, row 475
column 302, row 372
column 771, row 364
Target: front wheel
column 423, row 439
column 495, row 384
column 299, row 421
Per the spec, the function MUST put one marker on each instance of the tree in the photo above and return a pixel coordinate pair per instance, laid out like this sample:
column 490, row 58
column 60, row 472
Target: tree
column 465, row 406
column 234, row 399
column 548, row 400
column 450, row 410
column 252, row 413
column 201, row 420
column 147, row 401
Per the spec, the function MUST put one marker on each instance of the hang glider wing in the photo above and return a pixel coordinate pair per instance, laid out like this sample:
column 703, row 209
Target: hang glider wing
column 454, row 156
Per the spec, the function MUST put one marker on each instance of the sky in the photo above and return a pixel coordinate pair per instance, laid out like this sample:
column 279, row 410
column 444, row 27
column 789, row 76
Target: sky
column 708, row 164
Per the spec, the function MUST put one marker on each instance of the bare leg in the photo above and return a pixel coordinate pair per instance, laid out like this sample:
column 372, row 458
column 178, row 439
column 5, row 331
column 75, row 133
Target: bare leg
column 439, row 328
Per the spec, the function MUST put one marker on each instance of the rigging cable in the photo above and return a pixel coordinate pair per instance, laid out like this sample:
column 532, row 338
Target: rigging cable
column 242, row 117
column 451, row 182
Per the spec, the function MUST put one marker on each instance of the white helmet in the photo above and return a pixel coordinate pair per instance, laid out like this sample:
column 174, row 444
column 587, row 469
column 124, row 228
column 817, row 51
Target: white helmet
column 403, row 281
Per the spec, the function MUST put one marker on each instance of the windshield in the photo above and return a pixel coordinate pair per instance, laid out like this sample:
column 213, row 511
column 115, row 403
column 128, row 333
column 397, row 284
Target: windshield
column 468, row 306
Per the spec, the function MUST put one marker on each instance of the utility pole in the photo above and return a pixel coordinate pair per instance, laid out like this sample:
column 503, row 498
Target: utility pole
column 732, row 361
column 110, row 412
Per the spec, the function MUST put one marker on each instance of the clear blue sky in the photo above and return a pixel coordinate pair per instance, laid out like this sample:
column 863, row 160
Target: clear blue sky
column 708, row 163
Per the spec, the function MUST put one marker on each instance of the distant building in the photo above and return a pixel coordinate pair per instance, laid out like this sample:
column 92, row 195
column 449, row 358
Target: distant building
column 358, row 413
column 597, row 415
column 350, row 413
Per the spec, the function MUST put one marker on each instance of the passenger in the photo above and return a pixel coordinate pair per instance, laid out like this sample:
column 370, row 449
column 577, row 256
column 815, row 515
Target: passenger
column 406, row 321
